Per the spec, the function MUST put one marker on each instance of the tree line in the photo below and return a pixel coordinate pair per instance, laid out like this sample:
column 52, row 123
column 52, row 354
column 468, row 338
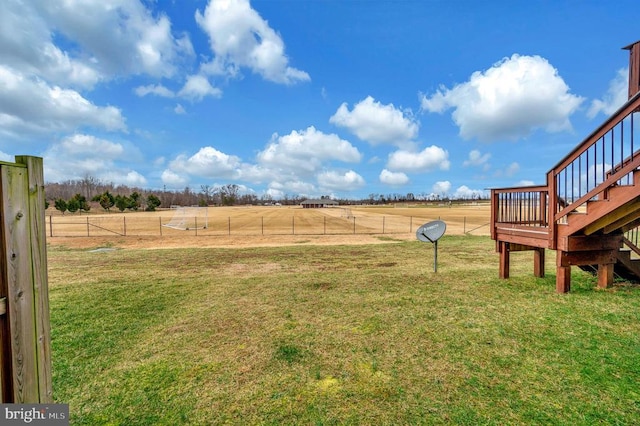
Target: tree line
column 79, row 195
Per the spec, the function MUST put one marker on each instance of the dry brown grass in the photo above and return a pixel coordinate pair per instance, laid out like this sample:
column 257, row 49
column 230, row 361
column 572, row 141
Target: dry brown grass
column 258, row 226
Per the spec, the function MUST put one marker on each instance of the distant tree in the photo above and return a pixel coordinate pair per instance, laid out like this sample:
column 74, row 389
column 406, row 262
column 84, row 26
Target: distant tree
column 207, row 192
column 81, row 202
column 73, row 205
column 135, row 201
column 122, row 202
column 106, row 200
column 61, row 205
column 152, row 203
column 229, row 194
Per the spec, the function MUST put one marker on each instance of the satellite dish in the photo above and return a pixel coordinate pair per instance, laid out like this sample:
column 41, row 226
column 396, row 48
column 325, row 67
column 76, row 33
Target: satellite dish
column 432, row 231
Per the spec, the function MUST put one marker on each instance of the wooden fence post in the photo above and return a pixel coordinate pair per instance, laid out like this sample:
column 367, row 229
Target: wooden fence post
column 25, row 374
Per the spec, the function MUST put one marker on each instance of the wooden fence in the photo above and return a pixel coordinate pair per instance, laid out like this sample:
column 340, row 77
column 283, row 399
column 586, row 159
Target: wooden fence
column 25, row 339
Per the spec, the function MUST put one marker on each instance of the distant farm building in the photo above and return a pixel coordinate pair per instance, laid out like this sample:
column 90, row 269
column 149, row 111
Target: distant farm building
column 318, row 204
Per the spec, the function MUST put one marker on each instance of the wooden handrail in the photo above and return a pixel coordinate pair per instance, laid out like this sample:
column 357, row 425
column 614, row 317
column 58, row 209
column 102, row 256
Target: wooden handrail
column 612, row 179
column 632, row 105
column 512, row 189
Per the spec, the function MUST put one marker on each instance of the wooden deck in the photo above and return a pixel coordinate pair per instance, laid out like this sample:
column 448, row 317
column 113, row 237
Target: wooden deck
column 588, row 207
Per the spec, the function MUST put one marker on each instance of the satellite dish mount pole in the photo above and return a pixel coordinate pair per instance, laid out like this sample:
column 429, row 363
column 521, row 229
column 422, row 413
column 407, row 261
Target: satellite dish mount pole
column 432, row 232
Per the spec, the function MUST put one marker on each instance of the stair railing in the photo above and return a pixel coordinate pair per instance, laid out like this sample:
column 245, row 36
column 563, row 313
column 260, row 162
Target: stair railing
column 605, row 158
column 631, row 239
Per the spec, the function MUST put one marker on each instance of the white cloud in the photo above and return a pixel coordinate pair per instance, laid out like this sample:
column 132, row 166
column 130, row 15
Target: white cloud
column 239, row 37
column 477, row 159
column 80, row 155
column 304, row 151
column 429, row 159
column 508, row 101
column 6, row 157
column 376, row 123
column 173, row 179
column 512, row 169
column 130, row 178
column 465, row 192
column 616, row 95
column 31, row 105
column 80, row 144
column 179, row 109
column 118, row 36
column 154, row 89
column 288, row 164
column 280, row 189
column 347, row 181
column 197, row 87
column 442, row 187
column 525, row 183
column 207, row 162
column 393, row 178
column 32, row 51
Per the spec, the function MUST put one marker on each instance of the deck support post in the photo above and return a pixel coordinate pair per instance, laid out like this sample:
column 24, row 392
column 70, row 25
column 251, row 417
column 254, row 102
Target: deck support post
column 504, row 260
column 563, row 273
column 563, row 279
column 605, row 275
column 538, row 262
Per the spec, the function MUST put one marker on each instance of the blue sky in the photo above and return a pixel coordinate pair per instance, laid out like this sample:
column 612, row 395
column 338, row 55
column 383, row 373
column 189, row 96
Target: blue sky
column 320, row 97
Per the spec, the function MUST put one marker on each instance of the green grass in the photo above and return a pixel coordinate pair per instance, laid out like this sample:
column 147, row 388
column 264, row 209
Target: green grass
column 326, row 335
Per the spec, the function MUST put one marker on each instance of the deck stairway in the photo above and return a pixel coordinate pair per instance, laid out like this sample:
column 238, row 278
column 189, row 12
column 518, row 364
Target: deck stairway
column 588, row 211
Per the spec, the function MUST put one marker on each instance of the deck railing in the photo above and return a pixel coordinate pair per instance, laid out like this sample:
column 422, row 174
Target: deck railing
column 525, row 206
column 605, row 158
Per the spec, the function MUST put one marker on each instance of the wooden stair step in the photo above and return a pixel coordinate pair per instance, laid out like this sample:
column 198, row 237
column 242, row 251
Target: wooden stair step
column 598, row 210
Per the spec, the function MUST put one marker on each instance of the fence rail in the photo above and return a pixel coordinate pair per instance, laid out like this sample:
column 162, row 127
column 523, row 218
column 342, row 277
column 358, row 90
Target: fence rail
column 128, row 225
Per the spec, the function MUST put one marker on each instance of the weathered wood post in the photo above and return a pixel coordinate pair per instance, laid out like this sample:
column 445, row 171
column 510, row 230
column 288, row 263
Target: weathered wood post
column 25, row 338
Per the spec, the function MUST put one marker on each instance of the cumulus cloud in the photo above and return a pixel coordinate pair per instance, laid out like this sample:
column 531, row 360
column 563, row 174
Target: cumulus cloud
column 207, row 162
column 465, row 192
column 33, row 51
column 393, row 178
column 288, row 164
column 80, row 155
column 197, row 87
column 142, row 44
column 6, row 157
column 239, row 37
column 508, row 101
column 376, row 123
column 616, row 95
column 31, row 105
column 477, row 159
column 441, row 187
column 337, row 181
column 304, row 151
column 173, row 179
column 154, row 89
column 429, row 159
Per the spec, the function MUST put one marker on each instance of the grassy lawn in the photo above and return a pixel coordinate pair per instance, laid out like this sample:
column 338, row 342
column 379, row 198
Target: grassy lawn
column 338, row 335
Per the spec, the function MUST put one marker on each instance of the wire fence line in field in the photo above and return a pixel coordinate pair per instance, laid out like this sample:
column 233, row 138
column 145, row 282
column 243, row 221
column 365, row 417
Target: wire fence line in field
column 130, row 225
